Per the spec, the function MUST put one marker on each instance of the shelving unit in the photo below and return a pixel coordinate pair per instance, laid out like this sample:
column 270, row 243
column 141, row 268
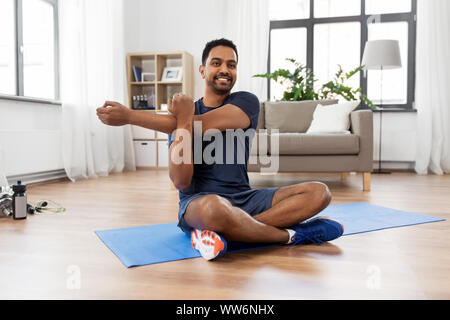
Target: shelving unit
column 151, row 62
column 150, row 146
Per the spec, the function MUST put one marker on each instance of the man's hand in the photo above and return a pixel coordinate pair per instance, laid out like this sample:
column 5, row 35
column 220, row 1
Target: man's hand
column 114, row 114
column 181, row 106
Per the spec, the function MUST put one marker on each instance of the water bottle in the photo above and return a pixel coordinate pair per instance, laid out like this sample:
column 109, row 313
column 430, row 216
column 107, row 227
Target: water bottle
column 19, row 203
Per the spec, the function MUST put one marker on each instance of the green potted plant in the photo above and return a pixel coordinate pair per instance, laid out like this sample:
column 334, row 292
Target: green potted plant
column 300, row 84
column 337, row 87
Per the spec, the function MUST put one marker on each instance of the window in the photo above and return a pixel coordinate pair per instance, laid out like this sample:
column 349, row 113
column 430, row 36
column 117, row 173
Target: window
column 333, row 8
column 7, row 47
column 334, row 32
column 28, row 49
column 387, row 6
column 291, row 9
column 394, row 84
column 342, row 40
column 284, row 48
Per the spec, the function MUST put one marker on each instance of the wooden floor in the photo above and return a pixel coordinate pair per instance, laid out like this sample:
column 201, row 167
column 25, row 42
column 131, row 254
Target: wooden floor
column 60, row 257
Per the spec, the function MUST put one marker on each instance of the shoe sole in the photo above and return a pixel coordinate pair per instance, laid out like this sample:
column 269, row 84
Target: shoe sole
column 208, row 243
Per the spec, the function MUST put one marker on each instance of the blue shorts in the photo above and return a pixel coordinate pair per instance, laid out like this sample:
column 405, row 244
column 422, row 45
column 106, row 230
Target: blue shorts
column 251, row 201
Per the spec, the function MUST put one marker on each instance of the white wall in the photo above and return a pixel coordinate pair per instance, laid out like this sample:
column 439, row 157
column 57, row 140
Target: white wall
column 30, row 134
column 132, row 10
column 173, row 25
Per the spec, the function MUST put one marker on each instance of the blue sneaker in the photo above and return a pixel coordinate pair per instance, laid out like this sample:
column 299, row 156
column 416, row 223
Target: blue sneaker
column 209, row 243
column 317, row 231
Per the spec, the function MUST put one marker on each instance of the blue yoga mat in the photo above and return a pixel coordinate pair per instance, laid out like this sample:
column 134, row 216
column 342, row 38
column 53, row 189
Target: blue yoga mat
column 146, row 245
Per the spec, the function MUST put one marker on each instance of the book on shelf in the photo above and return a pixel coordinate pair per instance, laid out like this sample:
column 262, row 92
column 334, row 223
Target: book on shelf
column 137, row 73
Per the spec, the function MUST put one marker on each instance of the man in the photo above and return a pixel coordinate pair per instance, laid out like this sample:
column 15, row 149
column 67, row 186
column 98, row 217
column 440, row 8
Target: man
column 216, row 202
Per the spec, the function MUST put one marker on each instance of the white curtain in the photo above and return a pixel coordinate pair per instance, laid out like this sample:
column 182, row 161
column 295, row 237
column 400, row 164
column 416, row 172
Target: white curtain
column 433, row 86
column 246, row 23
column 92, row 68
column 3, row 180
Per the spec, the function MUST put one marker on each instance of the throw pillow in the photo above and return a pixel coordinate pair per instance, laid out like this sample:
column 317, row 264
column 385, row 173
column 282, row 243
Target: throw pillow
column 332, row 118
column 290, row 116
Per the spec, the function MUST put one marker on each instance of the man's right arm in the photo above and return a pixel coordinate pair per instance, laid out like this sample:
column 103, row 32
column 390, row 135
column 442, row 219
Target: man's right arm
column 115, row 114
column 165, row 123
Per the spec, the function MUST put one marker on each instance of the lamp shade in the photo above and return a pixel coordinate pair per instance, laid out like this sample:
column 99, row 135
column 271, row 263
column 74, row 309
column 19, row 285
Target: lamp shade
column 382, row 54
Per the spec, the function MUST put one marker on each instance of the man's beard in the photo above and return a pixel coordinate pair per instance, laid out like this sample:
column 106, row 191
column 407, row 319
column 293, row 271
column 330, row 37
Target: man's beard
column 220, row 90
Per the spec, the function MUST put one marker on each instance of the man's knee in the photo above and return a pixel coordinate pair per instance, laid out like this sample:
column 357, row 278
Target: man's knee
column 321, row 194
column 213, row 212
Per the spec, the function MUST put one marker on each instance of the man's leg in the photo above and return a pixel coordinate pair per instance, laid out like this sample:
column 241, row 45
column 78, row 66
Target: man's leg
column 215, row 213
column 290, row 205
column 294, row 204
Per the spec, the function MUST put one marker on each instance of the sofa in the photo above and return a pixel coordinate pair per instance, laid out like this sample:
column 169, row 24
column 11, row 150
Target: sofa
column 282, row 137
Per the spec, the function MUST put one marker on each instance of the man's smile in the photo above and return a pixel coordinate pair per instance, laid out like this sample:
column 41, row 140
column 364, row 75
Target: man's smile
column 222, row 79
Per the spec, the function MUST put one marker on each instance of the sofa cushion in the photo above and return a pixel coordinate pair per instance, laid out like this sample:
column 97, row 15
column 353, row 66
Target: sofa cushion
column 332, row 119
column 289, row 116
column 315, row 144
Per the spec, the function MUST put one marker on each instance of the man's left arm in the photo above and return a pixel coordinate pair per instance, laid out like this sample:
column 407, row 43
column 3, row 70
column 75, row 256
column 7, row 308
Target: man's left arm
column 223, row 118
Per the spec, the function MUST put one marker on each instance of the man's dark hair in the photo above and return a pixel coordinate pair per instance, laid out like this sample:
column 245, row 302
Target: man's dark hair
column 215, row 43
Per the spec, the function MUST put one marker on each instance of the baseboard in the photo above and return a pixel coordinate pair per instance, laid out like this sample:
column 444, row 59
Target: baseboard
column 33, row 178
column 408, row 166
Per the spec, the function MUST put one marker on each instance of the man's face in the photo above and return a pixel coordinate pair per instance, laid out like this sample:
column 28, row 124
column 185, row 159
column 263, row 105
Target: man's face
column 220, row 69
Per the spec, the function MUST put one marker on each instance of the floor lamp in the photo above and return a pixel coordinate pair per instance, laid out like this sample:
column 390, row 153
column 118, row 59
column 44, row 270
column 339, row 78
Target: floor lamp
column 381, row 55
